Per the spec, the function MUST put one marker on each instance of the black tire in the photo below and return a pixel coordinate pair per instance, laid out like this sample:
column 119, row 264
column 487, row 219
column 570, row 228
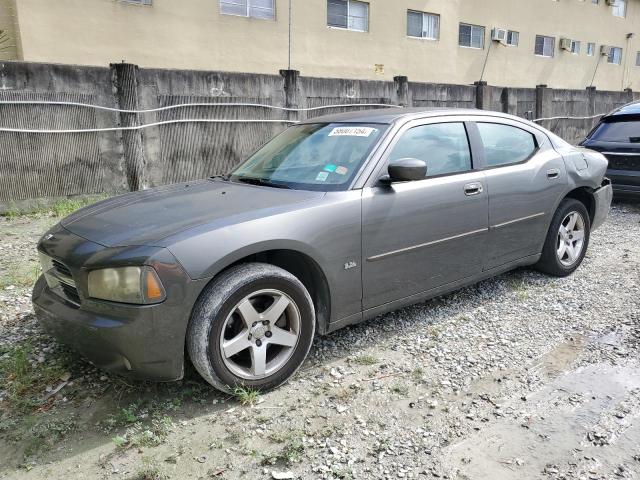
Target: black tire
column 549, row 261
column 216, row 303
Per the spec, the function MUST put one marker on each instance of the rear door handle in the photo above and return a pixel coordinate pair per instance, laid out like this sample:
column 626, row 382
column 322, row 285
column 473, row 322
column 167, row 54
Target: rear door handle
column 474, row 188
column 553, row 173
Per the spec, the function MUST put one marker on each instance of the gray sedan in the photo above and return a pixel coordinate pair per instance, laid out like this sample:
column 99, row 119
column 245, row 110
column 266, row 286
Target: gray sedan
column 334, row 221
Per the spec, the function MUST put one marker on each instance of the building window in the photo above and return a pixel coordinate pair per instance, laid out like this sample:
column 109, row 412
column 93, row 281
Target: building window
column 575, row 47
column 349, row 14
column 545, row 46
column 423, row 25
column 471, row 36
column 615, row 55
column 513, row 38
column 638, row 59
column 263, row 9
column 619, row 9
column 591, row 48
column 139, row 2
column 595, row 2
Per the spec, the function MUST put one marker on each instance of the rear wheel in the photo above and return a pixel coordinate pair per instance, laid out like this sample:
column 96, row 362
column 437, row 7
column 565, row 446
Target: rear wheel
column 567, row 240
column 252, row 326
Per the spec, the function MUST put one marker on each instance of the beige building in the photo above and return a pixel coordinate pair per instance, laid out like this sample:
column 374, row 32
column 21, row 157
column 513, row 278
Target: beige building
column 560, row 43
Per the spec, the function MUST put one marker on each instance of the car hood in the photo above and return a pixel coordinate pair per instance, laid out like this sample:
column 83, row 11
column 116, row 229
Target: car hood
column 151, row 216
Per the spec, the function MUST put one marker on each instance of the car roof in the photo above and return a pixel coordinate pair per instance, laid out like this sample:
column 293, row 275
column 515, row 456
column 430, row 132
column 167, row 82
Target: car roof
column 632, row 108
column 393, row 114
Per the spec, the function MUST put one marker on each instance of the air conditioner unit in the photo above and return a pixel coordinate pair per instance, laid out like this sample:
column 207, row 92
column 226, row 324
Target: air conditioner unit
column 612, row 3
column 499, row 35
column 565, row 44
column 605, row 50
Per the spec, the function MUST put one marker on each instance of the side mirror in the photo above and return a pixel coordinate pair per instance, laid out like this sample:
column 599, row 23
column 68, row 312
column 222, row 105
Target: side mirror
column 405, row 170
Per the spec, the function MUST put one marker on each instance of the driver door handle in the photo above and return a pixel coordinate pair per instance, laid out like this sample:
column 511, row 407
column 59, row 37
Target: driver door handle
column 473, row 188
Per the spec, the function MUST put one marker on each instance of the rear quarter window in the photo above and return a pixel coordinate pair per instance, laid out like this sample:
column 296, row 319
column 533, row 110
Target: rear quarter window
column 620, row 132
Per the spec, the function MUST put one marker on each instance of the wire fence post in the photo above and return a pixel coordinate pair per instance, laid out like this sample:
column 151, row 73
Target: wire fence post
column 292, row 94
column 483, row 95
column 544, row 101
column 402, row 91
column 591, row 101
column 125, row 80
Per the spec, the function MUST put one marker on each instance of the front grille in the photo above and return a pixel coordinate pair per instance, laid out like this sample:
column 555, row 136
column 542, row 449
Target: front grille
column 61, row 268
column 623, row 161
column 59, row 279
column 70, row 292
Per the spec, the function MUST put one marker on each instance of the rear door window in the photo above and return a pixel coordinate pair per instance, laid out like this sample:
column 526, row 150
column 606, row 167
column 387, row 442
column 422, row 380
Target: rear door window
column 621, row 132
column 505, row 145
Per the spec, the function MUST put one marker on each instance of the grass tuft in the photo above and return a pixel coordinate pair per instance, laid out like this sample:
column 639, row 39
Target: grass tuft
column 400, row 389
column 139, row 435
column 366, row 359
column 246, row 395
column 26, row 380
column 66, row 207
column 21, row 275
column 61, row 208
column 150, row 471
column 520, row 287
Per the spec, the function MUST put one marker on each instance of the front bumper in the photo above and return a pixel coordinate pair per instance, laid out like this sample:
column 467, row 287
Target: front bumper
column 131, row 341
column 140, row 341
column 602, row 197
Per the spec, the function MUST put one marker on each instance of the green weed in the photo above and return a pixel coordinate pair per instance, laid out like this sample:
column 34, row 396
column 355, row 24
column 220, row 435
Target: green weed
column 246, row 395
column 25, row 381
column 48, row 433
column 520, row 287
column 150, row 471
column 12, row 212
column 292, row 447
column 139, row 435
column 366, row 359
column 400, row 389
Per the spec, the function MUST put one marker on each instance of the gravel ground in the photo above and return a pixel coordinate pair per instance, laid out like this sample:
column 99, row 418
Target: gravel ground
column 521, row 376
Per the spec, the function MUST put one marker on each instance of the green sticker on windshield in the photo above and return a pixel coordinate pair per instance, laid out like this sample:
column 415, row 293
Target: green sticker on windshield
column 330, row 167
column 322, row 176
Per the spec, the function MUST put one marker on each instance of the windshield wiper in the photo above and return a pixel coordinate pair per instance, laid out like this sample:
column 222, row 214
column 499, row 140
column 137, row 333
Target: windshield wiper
column 224, row 177
column 262, row 182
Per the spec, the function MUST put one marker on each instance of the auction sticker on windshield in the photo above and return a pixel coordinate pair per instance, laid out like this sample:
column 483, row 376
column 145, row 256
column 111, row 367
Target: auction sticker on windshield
column 352, row 131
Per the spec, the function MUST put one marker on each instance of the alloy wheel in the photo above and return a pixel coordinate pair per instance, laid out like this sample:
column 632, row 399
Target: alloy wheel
column 260, row 334
column 570, row 239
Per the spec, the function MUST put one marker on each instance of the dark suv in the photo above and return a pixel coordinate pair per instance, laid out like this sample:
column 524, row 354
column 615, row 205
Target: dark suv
column 617, row 136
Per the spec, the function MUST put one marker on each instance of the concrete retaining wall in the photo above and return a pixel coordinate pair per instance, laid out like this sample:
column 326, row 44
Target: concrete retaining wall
column 53, row 165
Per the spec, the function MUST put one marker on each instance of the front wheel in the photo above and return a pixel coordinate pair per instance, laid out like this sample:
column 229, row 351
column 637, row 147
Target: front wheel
column 252, row 326
column 567, row 240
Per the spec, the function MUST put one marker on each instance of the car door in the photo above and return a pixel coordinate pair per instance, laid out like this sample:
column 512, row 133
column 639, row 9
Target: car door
column 525, row 177
column 423, row 234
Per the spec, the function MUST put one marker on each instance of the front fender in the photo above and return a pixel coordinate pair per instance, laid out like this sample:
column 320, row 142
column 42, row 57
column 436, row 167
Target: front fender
column 328, row 232
column 263, row 246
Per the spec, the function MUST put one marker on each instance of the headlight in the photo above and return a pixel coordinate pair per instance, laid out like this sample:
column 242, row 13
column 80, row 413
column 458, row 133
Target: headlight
column 139, row 285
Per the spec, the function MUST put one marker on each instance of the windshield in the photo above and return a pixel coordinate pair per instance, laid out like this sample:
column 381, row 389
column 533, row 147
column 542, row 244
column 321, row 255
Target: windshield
column 319, row 156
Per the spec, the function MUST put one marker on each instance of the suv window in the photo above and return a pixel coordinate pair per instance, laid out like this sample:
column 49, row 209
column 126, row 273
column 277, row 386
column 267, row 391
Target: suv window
column 623, row 132
column 505, row 145
column 443, row 146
